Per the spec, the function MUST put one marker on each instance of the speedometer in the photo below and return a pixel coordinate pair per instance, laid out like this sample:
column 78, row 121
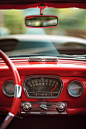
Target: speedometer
column 8, row 88
column 43, row 86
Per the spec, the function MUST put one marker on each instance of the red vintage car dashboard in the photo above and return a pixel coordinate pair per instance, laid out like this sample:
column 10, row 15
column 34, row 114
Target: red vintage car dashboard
column 56, row 99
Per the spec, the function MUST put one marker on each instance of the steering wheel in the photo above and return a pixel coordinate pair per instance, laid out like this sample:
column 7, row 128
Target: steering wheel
column 17, row 93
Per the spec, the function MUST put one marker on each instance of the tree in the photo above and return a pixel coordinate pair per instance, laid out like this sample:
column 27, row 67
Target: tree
column 14, row 20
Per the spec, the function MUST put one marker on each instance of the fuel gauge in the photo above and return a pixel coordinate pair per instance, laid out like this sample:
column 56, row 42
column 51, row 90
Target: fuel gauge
column 8, row 88
column 75, row 88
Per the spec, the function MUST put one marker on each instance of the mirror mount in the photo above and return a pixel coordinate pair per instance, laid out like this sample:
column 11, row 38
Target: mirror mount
column 41, row 11
column 41, row 7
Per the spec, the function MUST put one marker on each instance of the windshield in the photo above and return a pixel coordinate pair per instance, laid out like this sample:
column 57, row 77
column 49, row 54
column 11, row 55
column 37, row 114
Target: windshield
column 68, row 38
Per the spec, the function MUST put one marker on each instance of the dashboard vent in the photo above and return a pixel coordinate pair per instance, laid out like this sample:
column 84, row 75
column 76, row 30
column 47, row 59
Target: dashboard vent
column 43, row 59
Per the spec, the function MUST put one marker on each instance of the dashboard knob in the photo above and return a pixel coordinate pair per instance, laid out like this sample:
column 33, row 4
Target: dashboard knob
column 61, row 107
column 43, row 106
column 26, row 106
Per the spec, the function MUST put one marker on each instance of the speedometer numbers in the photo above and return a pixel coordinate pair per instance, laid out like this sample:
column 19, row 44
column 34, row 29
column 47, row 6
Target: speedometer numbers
column 43, row 86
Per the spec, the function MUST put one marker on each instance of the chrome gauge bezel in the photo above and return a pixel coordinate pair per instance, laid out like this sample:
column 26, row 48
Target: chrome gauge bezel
column 37, row 76
column 3, row 88
column 76, row 81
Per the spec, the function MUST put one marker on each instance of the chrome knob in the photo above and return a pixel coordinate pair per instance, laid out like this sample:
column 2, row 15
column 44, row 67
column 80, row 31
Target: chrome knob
column 43, row 106
column 26, row 106
column 61, row 107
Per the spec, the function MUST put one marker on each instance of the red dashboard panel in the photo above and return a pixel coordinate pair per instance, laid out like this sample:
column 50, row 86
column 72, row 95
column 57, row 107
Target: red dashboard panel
column 67, row 70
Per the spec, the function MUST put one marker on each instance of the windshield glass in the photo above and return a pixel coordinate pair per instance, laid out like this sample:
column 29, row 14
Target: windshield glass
column 68, row 38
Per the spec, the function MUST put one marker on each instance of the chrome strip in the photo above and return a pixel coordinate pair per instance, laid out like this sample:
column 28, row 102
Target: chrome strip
column 44, row 113
column 18, row 91
column 43, row 59
column 11, row 114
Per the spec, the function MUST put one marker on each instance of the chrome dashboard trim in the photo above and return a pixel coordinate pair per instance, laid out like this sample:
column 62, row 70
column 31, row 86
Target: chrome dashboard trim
column 43, row 59
column 51, row 107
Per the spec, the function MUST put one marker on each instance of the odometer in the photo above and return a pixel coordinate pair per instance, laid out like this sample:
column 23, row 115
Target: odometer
column 43, row 86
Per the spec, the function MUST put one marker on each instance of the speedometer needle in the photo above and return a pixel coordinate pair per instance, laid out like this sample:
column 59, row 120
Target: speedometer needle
column 10, row 88
column 73, row 89
column 54, row 88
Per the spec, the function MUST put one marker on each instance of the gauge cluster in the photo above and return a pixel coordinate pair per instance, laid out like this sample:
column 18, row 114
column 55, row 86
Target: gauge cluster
column 43, row 86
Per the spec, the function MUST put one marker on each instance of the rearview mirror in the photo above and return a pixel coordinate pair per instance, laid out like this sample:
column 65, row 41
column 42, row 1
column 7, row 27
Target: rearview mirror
column 41, row 21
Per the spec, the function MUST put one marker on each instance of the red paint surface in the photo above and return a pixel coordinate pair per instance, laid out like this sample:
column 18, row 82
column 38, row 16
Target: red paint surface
column 68, row 70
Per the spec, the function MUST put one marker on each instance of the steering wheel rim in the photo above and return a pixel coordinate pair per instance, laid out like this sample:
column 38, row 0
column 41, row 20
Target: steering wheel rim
column 17, row 92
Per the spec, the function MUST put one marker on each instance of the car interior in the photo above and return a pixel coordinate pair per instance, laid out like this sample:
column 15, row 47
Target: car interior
column 42, row 64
